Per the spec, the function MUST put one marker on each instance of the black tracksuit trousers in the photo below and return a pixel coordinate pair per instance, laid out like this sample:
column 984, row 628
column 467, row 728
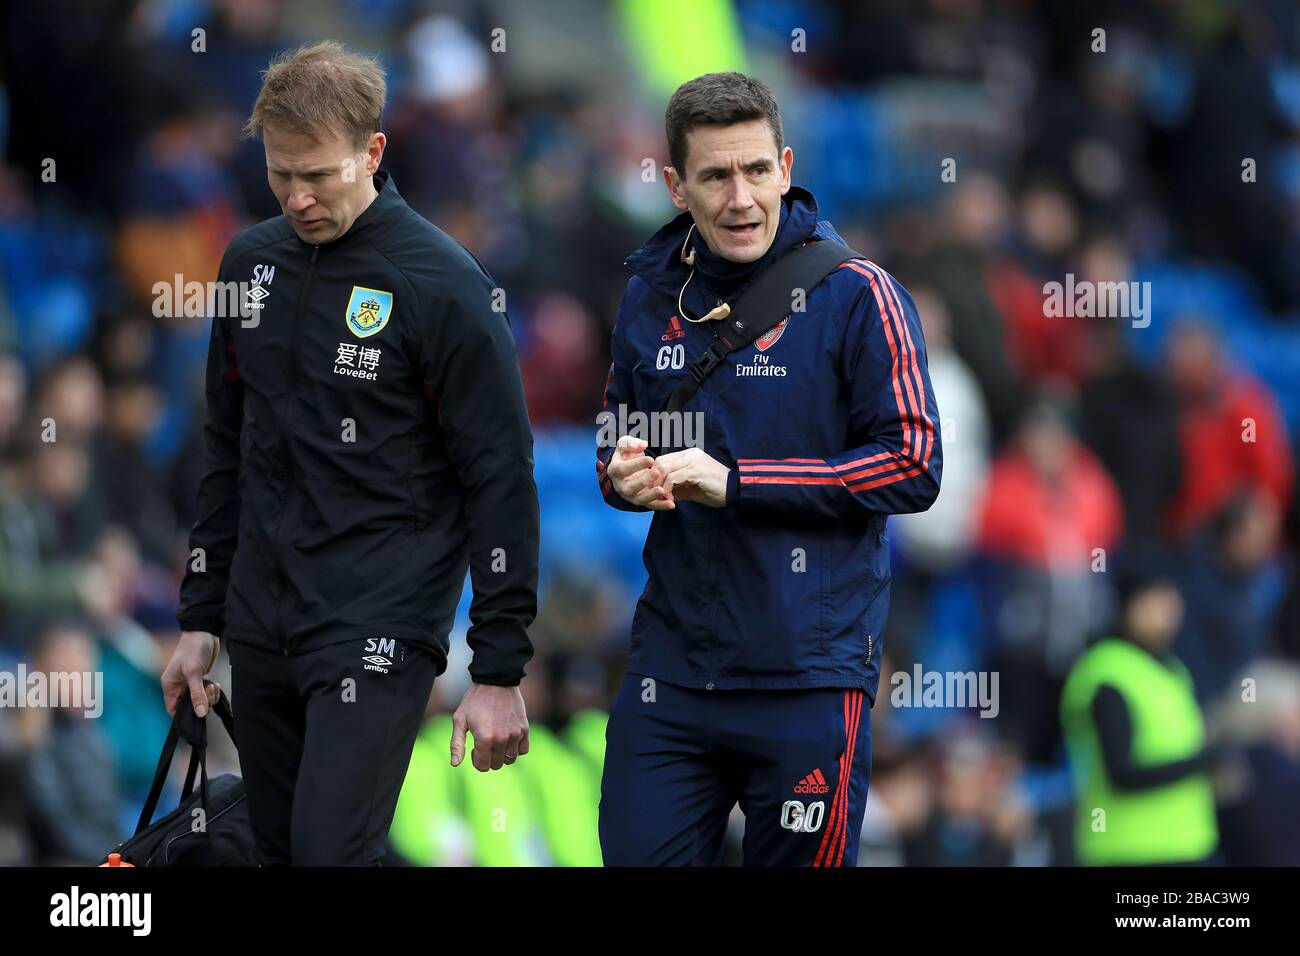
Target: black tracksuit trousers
column 325, row 738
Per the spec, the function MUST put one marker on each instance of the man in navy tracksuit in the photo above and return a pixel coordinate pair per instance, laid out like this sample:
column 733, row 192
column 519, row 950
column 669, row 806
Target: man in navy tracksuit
column 756, row 643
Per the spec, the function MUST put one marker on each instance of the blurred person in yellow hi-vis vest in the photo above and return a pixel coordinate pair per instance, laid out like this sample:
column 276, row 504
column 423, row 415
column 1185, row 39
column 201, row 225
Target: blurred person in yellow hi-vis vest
column 544, row 814
column 1136, row 736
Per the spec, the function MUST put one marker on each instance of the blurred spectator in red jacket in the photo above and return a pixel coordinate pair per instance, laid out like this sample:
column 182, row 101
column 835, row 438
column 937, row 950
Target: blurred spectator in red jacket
column 1233, row 436
column 1049, row 502
column 1044, row 349
column 1050, row 517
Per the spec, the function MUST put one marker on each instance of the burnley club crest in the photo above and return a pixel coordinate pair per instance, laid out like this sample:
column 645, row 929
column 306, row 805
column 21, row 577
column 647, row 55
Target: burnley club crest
column 368, row 311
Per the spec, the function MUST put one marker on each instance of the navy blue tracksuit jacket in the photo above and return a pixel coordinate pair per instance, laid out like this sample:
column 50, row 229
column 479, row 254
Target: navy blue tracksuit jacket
column 829, row 425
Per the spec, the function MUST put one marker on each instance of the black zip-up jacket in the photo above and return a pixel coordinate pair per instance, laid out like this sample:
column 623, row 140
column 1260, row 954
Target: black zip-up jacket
column 367, row 439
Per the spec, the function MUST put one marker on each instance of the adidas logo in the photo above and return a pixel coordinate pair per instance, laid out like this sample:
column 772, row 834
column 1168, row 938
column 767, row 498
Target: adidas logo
column 813, row 783
column 675, row 330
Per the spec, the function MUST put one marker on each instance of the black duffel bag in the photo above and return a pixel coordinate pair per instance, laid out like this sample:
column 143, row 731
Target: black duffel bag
column 222, row 834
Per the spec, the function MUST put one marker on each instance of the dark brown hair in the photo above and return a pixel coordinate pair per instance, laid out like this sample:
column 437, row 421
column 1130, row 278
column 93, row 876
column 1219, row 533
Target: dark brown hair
column 718, row 99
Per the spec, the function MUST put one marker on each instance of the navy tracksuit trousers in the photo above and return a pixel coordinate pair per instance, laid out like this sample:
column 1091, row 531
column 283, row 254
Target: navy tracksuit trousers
column 678, row 760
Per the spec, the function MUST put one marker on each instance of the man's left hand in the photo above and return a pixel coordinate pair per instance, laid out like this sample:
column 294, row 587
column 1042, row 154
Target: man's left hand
column 497, row 719
column 696, row 477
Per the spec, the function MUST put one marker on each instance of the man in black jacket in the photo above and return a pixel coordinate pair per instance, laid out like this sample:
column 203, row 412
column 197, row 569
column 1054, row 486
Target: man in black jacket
column 367, row 440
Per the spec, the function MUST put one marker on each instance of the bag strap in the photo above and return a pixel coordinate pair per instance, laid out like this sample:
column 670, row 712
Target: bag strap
column 159, row 778
column 762, row 306
column 198, row 757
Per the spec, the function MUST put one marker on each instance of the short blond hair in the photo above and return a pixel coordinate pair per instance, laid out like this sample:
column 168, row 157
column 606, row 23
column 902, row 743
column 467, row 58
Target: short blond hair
column 321, row 87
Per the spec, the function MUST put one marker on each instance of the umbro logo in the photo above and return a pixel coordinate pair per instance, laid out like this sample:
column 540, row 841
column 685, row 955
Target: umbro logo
column 376, row 648
column 262, row 277
column 813, row 783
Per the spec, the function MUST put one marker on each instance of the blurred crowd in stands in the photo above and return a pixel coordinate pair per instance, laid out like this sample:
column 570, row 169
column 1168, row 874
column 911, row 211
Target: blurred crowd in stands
column 1171, row 157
